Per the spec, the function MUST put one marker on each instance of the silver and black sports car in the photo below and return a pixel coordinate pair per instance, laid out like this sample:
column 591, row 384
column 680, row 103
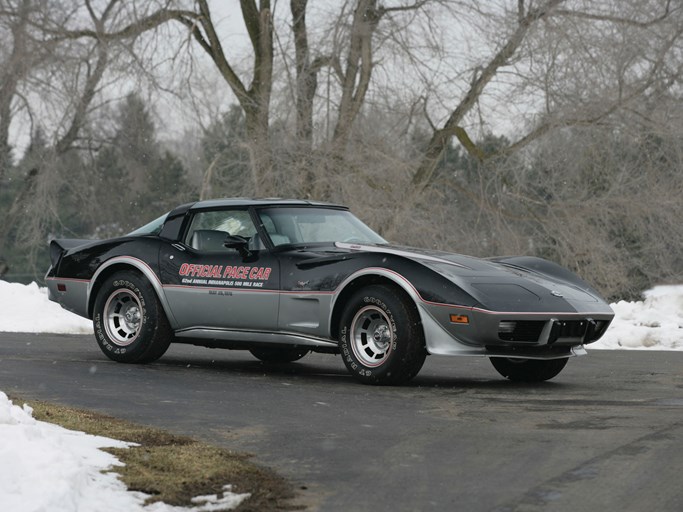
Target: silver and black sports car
column 282, row 278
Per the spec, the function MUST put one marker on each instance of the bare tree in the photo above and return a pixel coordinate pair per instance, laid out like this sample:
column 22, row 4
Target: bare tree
column 45, row 52
column 353, row 70
column 254, row 98
column 14, row 67
column 527, row 17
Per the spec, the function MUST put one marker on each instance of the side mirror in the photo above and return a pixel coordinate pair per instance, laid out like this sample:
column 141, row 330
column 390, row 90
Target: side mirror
column 239, row 243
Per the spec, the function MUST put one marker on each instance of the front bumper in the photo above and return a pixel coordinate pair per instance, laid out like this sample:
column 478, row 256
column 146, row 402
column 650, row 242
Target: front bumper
column 517, row 335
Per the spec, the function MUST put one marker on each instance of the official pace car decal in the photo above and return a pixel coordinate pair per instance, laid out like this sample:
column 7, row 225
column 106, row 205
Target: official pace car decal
column 224, row 275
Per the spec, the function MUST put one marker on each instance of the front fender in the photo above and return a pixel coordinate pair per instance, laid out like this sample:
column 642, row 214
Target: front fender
column 437, row 339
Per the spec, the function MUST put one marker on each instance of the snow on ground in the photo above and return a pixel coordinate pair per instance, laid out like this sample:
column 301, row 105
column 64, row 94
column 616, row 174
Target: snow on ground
column 46, row 467
column 655, row 323
column 26, row 308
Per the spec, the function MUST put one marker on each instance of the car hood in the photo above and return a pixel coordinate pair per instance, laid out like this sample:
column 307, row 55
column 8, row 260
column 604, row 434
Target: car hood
column 466, row 263
column 503, row 284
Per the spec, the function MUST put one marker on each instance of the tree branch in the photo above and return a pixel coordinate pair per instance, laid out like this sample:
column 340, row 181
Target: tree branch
column 622, row 100
column 93, row 80
column 212, row 45
column 468, row 144
column 399, row 8
column 617, row 19
column 328, row 60
column 441, row 137
column 250, row 14
column 132, row 30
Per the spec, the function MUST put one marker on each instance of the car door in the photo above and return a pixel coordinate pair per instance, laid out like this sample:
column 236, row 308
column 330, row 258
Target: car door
column 210, row 286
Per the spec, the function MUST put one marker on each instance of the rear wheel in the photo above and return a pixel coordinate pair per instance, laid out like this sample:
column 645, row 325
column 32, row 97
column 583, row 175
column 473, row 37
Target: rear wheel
column 130, row 324
column 381, row 337
column 528, row 370
column 279, row 355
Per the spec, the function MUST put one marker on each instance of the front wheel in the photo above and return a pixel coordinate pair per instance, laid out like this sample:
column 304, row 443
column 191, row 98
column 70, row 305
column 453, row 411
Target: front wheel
column 381, row 337
column 130, row 324
column 528, row 370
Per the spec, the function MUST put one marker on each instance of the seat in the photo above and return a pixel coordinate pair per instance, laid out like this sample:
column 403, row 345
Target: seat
column 276, row 237
column 209, row 240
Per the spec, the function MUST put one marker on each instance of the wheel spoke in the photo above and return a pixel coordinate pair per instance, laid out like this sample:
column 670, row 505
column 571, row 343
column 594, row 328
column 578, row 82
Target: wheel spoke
column 371, row 336
column 122, row 317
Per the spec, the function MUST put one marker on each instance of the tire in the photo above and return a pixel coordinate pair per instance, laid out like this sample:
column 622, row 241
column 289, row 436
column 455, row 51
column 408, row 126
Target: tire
column 381, row 338
column 528, row 370
column 130, row 324
column 278, row 355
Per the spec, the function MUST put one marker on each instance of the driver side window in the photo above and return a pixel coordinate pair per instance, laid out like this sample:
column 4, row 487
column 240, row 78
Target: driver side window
column 209, row 229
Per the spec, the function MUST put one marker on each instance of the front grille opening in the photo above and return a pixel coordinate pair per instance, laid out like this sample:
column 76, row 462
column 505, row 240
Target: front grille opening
column 583, row 330
column 597, row 332
column 571, row 328
column 528, row 331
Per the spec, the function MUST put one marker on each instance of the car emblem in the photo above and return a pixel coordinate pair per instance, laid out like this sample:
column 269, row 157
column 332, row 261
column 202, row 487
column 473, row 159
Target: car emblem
column 555, row 293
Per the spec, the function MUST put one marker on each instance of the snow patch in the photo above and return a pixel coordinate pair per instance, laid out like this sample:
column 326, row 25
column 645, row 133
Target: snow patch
column 26, row 308
column 47, row 467
column 655, row 323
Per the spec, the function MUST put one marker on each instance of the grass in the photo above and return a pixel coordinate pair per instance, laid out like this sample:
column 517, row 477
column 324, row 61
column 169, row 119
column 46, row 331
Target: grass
column 172, row 468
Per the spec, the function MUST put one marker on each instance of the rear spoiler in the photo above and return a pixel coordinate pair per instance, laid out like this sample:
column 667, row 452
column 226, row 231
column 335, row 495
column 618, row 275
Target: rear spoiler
column 60, row 246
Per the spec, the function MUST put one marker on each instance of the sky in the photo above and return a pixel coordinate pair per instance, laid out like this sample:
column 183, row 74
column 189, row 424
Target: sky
column 46, row 467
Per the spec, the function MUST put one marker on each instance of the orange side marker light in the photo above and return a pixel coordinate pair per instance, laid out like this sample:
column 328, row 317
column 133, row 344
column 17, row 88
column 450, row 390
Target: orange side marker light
column 460, row 319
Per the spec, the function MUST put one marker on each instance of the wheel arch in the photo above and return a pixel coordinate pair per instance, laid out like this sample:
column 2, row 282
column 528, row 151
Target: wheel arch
column 366, row 278
column 123, row 263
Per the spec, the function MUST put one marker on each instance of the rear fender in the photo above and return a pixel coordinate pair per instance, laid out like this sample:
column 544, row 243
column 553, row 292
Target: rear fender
column 122, row 263
column 59, row 246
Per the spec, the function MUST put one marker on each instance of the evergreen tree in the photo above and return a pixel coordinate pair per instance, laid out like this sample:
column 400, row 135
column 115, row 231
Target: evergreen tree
column 225, row 152
column 17, row 207
column 136, row 180
column 166, row 185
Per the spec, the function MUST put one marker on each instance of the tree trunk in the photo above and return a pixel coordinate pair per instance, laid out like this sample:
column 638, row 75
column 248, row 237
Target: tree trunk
column 306, row 85
column 13, row 70
column 306, row 76
column 260, row 155
column 358, row 71
column 255, row 101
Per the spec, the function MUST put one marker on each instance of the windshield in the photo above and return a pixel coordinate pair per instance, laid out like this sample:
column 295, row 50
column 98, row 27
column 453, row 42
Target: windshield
column 315, row 225
column 153, row 228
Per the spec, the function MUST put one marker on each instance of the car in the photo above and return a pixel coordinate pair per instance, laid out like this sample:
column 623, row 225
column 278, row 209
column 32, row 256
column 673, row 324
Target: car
column 282, row 278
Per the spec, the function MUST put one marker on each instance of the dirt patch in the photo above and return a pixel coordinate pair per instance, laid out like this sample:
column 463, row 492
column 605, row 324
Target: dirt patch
column 173, row 468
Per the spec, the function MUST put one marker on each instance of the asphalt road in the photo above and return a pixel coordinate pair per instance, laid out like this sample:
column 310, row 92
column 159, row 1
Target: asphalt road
column 606, row 434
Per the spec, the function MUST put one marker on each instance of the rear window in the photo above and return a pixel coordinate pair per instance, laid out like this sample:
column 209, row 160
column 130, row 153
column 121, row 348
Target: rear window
column 153, row 228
